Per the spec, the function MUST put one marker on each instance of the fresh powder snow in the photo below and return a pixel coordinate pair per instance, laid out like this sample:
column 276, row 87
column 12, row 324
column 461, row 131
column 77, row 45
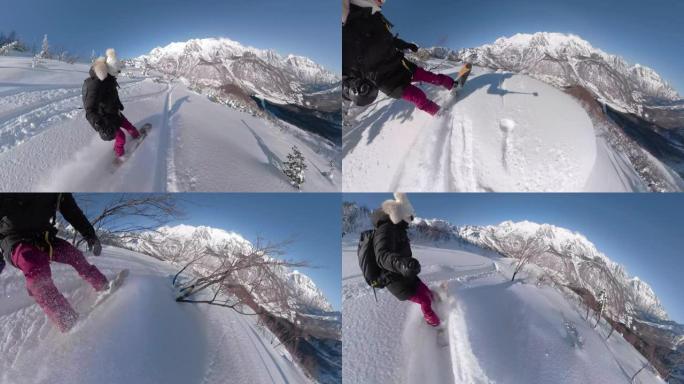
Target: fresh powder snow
column 194, row 145
column 502, row 132
column 139, row 335
column 498, row 331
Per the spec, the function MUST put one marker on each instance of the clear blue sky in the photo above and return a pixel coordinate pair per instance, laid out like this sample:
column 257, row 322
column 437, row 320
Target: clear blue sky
column 650, row 33
column 314, row 220
column 644, row 232
column 305, row 27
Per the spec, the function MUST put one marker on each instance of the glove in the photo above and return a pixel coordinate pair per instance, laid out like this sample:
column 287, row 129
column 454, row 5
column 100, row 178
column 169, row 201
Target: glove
column 410, row 267
column 94, row 246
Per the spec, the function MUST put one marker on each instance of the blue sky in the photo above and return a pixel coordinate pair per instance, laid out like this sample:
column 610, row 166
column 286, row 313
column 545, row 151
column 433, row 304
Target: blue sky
column 650, row 33
column 644, row 232
column 312, row 219
column 305, row 27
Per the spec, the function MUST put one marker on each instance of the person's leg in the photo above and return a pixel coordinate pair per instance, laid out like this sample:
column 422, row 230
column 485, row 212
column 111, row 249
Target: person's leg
column 423, row 297
column 433, row 78
column 119, row 142
column 130, row 128
column 35, row 265
column 65, row 253
column 416, row 96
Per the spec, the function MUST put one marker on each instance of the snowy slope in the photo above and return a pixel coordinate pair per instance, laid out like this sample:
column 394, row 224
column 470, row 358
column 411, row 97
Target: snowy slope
column 140, row 335
column 503, row 132
column 195, row 145
column 498, row 331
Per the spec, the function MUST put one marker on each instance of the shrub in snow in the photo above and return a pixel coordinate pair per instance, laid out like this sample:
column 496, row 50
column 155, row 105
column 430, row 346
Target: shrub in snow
column 294, row 167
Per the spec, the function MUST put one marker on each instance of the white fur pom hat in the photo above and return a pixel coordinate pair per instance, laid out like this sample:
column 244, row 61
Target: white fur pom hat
column 399, row 209
column 113, row 64
column 376, row 5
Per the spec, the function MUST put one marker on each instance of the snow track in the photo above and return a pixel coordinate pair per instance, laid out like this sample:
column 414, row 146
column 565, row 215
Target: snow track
column 498, row 331
column 502, row 132
column 46, row 144
column 139, row 335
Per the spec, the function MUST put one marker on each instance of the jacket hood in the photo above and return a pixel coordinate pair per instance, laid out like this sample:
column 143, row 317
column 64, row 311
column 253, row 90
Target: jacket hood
column 99, row 69
column 399, row 209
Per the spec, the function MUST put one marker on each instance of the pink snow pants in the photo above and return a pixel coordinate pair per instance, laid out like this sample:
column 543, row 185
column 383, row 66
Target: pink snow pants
column 35, row 264
column 423, row 297
column 120, row 139
column 416, row 96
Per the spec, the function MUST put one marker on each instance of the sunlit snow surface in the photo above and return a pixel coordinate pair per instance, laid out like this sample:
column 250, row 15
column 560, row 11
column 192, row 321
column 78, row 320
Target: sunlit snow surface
column 501, row 132
column 194, row 145
column 498, row 331
column 139, row 335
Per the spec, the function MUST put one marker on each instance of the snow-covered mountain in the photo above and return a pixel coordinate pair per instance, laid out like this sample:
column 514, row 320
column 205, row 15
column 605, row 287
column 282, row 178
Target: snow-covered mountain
column 176, row 244
column 242, row 71
column 581, row 266
column 566, row 59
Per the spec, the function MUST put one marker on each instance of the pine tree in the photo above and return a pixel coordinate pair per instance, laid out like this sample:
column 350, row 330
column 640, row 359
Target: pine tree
column 294, row 167
column 45, row 51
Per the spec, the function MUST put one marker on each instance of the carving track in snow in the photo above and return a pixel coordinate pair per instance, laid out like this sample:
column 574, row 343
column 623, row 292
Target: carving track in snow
column 502, row 132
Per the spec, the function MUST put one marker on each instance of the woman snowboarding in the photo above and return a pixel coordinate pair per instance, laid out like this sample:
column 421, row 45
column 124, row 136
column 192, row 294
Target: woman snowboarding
column 373, row 58
column 102, row 104
column 393, row 254
column 28, row 242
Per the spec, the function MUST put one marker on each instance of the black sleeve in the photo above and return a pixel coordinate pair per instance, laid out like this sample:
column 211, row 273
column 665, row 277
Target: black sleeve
column 386, row 258
column 90, row 101
column 401, row 44
column 73, row 214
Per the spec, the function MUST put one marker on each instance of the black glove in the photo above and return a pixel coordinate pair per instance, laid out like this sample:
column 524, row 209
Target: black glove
column 94, row 245
column 410, row 267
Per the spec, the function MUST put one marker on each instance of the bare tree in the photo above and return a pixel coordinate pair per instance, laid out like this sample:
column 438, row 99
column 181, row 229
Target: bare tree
column 126, row 216
column 523, row 248
column 239, row 276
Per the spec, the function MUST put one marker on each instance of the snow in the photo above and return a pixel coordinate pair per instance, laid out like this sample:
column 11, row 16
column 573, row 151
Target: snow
column 139, row 335
column 194, row 144
column 503, row 132
column 498, row 331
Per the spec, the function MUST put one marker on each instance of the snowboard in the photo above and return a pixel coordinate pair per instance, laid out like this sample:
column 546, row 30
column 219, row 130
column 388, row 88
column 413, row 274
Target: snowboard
column 113, row 285
column 459, row 83
column 440, row 305
column 143, row 134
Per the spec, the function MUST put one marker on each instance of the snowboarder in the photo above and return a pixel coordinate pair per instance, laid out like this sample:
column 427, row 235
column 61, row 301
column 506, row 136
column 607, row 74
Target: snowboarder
column 28, row 242
column 102, row 104
column 393, row 254
column 373, row 58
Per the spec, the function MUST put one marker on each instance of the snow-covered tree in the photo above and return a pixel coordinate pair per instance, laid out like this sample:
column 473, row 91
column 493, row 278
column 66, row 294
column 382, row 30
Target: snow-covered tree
column 45, row 50
column 93, row 56
column 5, row 49
column 294, row 167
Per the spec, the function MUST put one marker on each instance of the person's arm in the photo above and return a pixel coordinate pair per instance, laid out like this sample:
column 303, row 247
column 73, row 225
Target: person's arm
column 73, row 214
column 389, row 260
column 90, row 102
column 403, row 45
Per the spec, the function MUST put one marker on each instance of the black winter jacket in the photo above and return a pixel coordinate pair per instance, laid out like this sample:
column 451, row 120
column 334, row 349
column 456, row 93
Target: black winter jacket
column 29, row 217
column 392, row 249
column 102, row 104
column 371, row 51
